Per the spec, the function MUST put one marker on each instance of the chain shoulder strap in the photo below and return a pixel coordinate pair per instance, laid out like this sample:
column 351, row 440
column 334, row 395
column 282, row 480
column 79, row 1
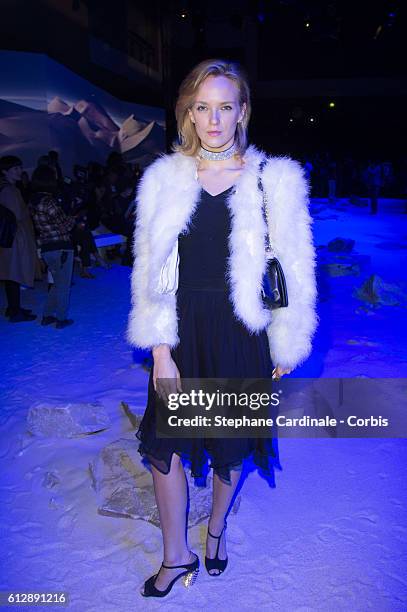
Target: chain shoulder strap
column 268, row 247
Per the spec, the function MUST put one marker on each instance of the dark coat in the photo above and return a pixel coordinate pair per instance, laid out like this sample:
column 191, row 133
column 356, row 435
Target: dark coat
column 18, row 262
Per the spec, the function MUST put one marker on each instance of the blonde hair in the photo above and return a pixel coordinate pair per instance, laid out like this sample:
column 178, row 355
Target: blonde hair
column 189, row 142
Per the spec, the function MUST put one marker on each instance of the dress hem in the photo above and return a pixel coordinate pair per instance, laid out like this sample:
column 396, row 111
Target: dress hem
column 261, row 460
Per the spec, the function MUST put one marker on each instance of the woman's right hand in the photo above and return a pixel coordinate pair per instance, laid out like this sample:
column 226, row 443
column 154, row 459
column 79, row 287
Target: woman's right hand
column 166, row 376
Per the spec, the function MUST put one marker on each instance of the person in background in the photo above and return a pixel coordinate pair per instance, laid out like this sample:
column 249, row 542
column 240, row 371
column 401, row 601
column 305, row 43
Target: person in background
column 114, row 160
column 96, row 173
column 374, row 182
column 114, row 218
column 388, row 178
column 82, row 235
column 136, row 174
column 111, row 180
column 55, row 243
column 79, row 190
column 24, row 186
column 97, row 189
column 319, row 176
column 119, row 220
column 17, row 263
column 53, row 157
column 96, row 194
column 308, row 168
column 107, row 201
column 332, row 179
column 44, row 160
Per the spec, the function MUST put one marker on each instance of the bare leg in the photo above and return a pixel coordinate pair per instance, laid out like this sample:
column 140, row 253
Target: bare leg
column 171, row 497
column 222, row 497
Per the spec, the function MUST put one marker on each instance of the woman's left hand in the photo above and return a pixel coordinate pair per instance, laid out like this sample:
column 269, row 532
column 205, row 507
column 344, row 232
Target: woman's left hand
column 278, row 372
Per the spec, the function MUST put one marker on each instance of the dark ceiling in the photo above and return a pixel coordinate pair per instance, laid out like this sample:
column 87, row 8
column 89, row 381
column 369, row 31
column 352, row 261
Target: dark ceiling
column 299, row 38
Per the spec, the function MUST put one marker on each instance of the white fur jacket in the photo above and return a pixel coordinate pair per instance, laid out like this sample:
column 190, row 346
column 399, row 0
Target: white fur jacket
column 167, row 197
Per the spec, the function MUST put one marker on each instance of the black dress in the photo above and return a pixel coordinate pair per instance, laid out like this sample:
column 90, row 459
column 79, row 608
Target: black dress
column 213, row 344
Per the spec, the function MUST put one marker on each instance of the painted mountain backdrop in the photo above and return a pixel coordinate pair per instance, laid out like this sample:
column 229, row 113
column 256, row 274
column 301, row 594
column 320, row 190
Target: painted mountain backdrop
column 81, row 132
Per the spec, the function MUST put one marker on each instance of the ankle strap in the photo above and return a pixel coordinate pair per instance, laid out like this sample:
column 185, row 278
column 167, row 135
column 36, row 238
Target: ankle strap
column 179, row 566
column 217, row 538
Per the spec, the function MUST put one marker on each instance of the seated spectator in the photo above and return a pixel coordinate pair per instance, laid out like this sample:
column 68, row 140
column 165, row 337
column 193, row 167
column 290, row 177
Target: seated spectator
column 95, row 210
column 119, row 218
column 83, row 238
column 80, row 201
column 110, row 182
column 55, row 243
column 17, row 263
column 114, row 217
column 79, row 190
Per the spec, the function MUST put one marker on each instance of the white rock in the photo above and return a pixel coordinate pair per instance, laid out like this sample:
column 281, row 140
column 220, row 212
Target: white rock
column 379, row 293
column 124, row 487
column 66, row 420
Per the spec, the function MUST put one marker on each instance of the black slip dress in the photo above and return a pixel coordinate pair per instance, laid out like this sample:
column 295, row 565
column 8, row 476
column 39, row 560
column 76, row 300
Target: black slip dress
column 213, row 344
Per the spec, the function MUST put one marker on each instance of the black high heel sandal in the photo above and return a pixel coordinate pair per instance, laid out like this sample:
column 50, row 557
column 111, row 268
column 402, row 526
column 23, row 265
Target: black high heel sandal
column 216, row 563
column 189, row 577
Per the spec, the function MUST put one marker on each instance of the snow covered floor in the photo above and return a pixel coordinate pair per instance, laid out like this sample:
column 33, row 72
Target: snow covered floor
column 330, row 535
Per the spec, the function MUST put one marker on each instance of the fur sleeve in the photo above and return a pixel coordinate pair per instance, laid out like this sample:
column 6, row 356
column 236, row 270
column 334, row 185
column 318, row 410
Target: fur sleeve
column 291, row 330
column 152, row 318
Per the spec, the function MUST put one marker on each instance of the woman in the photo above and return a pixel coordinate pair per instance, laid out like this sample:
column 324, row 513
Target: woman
column 17, row 263
column 213, row 323
column 53, row 237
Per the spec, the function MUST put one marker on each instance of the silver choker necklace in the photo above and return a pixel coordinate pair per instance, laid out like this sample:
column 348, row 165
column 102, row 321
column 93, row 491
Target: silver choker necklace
column 217, row 155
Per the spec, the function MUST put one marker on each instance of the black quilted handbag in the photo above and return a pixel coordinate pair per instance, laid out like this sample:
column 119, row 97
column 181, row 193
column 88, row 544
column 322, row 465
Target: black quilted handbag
column 8, row 227
column 274, row 285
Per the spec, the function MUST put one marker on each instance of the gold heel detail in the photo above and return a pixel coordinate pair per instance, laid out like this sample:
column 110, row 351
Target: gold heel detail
column 190, row 578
